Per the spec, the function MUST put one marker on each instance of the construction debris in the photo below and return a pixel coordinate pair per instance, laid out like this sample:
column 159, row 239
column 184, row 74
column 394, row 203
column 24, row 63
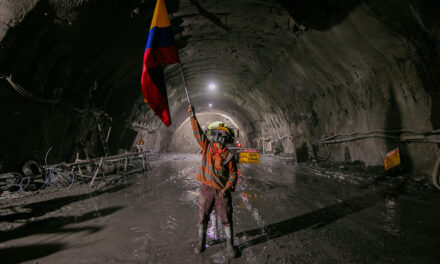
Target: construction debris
column 63, row 175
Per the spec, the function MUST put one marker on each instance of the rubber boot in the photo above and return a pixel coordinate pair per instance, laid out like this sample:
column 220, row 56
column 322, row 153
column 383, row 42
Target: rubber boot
column 231, row 251
column 202, row 238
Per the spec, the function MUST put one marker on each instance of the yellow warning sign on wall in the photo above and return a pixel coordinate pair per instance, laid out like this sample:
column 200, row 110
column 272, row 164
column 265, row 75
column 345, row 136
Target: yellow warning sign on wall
column 392, row 159
column 251, row 158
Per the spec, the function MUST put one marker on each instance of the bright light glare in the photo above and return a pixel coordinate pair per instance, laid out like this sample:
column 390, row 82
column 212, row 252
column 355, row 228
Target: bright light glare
column 210, row 105
column 212, row 86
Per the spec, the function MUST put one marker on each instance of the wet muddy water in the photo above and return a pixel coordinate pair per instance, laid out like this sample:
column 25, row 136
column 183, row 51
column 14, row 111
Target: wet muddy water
column 283, row 213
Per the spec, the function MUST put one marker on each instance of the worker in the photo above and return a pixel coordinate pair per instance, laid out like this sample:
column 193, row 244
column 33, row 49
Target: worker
column 218, row 176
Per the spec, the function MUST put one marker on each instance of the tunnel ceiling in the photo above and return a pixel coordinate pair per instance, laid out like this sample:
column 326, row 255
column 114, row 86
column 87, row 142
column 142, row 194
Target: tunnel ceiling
column 282, row 68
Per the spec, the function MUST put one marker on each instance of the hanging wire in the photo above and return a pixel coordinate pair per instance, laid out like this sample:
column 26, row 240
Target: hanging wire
column 23, row 92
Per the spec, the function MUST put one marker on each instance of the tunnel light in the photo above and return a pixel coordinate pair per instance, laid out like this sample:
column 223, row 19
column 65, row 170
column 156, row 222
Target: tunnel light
column 212, row 86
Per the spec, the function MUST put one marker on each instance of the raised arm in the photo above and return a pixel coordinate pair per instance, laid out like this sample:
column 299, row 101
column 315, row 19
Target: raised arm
column 197, row 130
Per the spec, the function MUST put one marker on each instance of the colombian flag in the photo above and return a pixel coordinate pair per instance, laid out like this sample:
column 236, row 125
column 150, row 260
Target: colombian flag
column 160, row 50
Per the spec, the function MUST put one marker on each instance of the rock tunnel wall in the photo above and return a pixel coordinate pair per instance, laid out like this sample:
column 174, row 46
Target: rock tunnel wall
column 291, row 72
column 81, row 55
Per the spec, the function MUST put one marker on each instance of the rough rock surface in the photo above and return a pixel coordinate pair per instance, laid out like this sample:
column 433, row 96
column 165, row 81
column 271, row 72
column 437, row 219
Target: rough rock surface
column 283, row 69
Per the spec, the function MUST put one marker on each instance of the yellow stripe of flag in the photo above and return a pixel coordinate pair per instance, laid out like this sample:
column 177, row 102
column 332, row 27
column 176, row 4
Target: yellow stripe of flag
column 160, row 17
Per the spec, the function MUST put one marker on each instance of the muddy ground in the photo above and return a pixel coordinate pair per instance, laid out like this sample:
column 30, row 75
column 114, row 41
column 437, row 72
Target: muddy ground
column 283, row 213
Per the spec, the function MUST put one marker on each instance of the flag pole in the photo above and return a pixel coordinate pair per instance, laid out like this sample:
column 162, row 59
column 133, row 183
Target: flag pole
column 184, row 83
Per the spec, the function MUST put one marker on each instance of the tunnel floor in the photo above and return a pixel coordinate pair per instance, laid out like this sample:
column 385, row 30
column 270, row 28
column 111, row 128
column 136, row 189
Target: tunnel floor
column 283, row 213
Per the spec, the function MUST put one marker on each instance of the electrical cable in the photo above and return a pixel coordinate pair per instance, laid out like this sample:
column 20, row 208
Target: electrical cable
column 28, row 95
column 326, row 157
column 23, row 92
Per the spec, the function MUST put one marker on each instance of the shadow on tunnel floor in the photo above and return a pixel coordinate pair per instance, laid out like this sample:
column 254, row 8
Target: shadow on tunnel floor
column 21, row 254
column 57, row 224
column 317, row 219
column 43, row 207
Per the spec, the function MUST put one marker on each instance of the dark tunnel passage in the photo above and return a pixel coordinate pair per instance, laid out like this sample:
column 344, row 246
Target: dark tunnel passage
column 319, row 88
column 285, row 70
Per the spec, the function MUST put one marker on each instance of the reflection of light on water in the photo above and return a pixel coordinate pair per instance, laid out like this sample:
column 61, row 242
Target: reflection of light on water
column 253, row 211
column 253, row 195
column 392, row 217
column 214, row 228
column 190, row 196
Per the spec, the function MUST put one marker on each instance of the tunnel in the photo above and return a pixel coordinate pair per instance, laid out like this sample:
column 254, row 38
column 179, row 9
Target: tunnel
column 325, row 91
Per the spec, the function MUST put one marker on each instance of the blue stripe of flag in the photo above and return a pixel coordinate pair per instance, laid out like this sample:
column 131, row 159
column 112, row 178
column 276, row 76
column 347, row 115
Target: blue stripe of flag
column 160, row 37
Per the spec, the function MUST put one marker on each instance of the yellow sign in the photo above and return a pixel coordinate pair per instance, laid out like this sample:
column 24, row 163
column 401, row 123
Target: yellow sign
column 392, row 159
column 252, row 158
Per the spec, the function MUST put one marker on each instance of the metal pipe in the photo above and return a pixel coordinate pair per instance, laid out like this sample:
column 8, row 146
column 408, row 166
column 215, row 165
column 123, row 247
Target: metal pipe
column 108, row 134
column 401, row 131
column 94, row 160
column 402, row 139
column 436, row 174
column 184, row 83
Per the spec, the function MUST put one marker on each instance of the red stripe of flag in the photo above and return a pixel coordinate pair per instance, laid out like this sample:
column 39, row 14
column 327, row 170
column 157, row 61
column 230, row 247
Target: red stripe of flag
column 160, row 50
